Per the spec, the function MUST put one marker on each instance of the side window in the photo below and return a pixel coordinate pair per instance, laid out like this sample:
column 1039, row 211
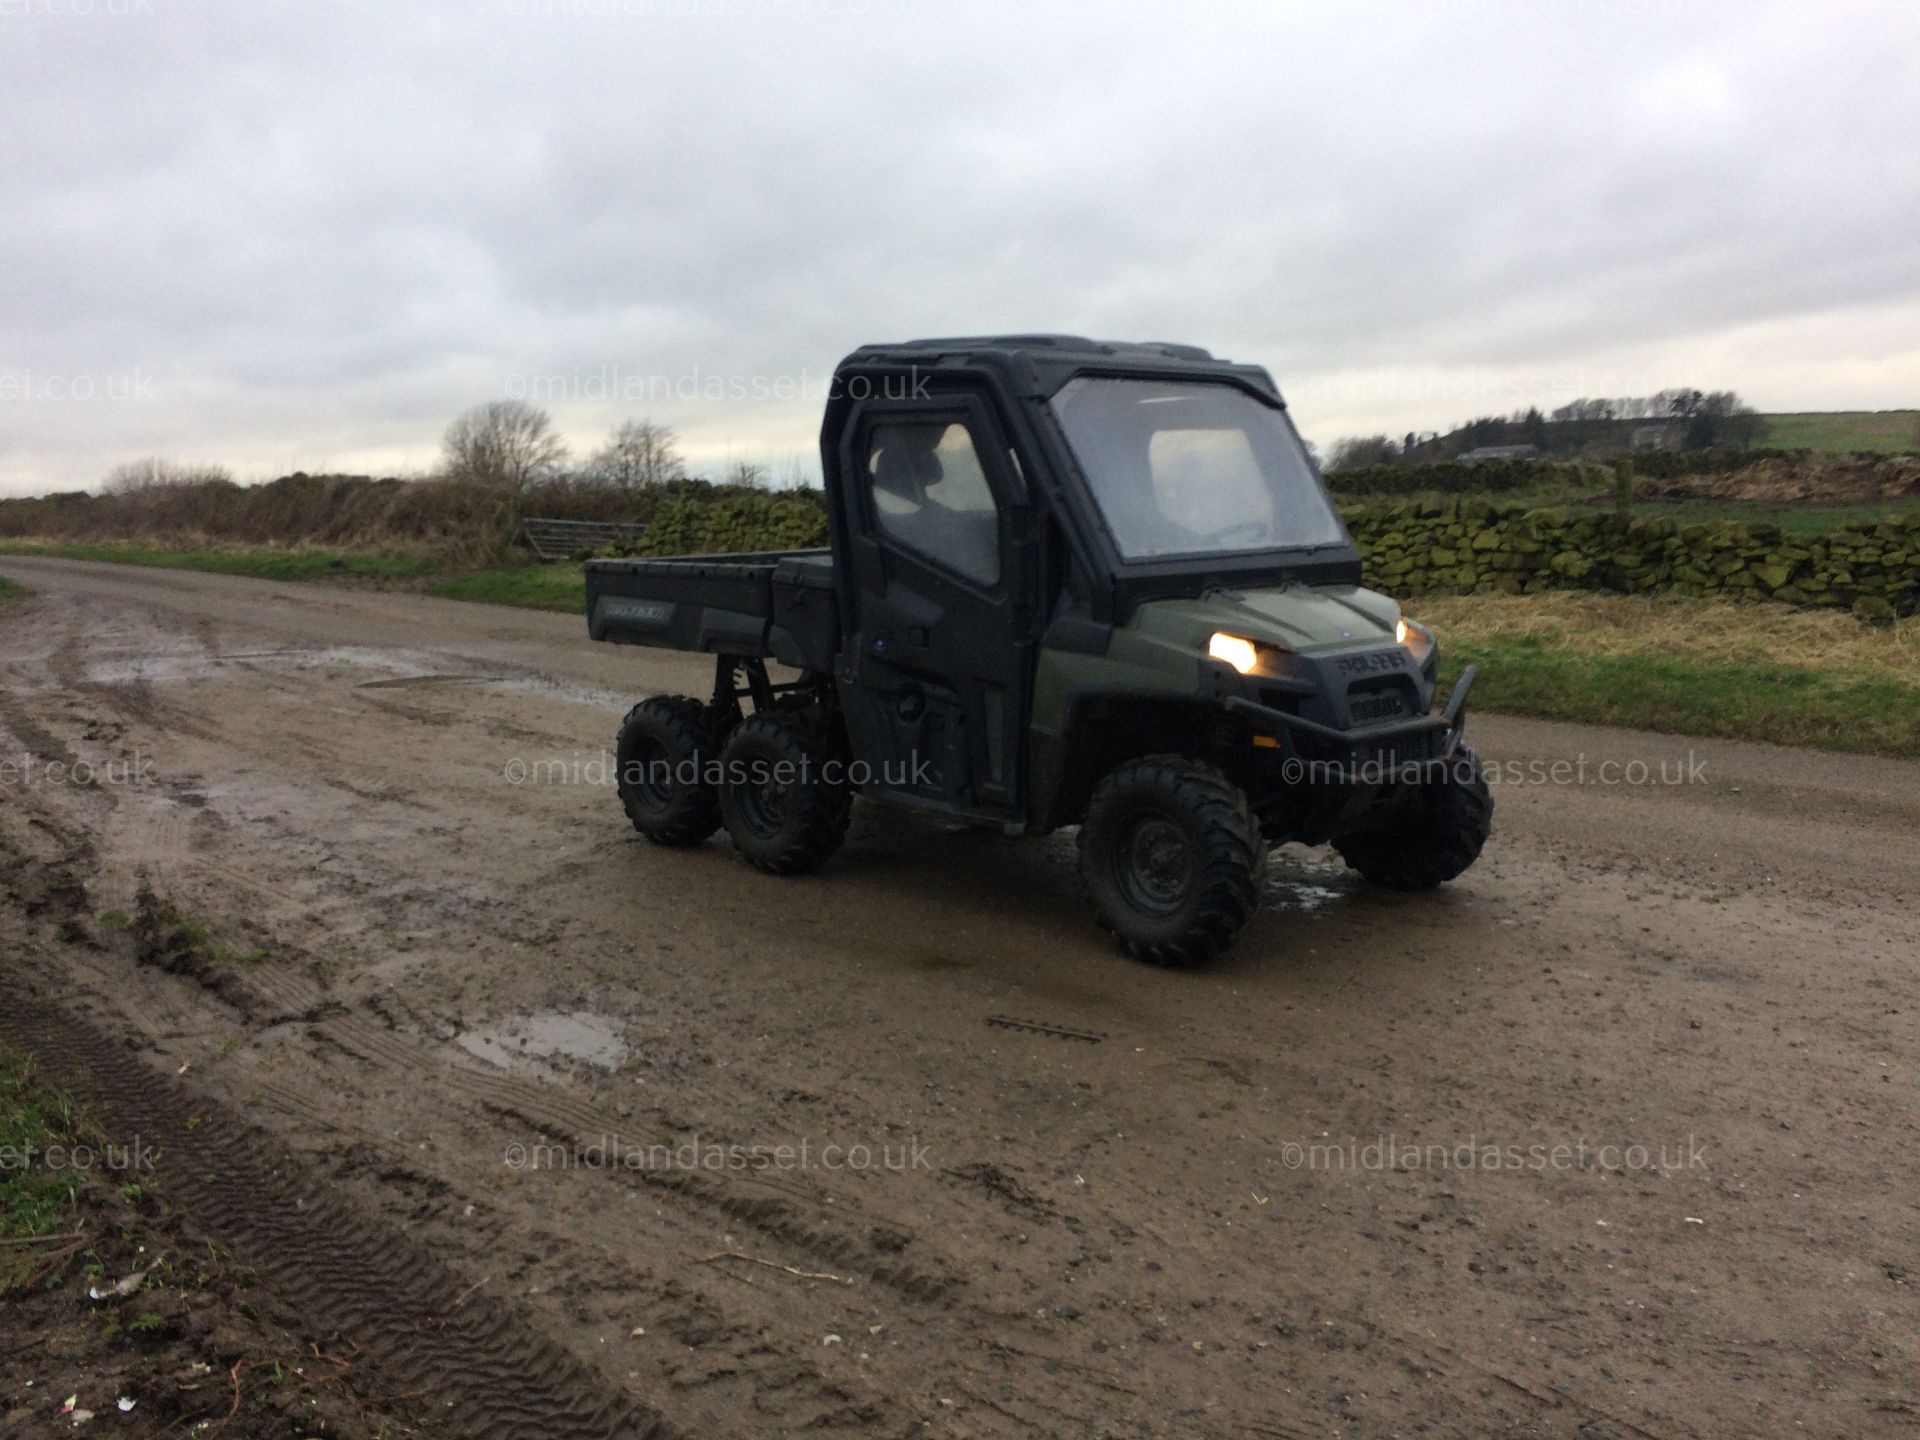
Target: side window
column 931, row 495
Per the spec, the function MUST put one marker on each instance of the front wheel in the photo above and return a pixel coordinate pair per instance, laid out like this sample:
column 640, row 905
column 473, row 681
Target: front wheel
column 1172, row 857
column 1439, row 841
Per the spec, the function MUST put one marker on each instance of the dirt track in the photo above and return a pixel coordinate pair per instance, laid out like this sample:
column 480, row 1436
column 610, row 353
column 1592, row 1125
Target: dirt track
column 1180, row 1225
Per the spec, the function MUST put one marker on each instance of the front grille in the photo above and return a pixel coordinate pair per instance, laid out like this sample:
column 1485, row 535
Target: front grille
column 1386, row 705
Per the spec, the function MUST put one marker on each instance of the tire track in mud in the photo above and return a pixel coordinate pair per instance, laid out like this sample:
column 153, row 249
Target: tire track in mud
column 283, row 995
column 293, row 994
column 424, row 1333
column 276, row 996
column 558, row 1117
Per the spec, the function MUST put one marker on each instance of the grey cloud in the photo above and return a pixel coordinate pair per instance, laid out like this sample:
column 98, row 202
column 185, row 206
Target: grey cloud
column 322, row 232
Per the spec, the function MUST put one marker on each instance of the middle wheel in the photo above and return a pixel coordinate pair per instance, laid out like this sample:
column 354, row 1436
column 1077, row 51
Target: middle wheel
column 784, row 795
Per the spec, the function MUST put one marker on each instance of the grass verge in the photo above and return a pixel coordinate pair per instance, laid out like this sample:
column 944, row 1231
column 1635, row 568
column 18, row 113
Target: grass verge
column 534, row 587
column 1690, row 667
column 35, row 1201
column 10, row 591
column 261, row 564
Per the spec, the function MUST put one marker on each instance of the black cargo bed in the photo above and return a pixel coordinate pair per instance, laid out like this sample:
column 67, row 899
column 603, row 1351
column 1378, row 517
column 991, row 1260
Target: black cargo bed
column 774, row 604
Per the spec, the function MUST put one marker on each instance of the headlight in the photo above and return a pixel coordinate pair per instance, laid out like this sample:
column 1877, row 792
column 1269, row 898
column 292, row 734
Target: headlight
column 1416, row 637
column 1249, row 657
column 1239, row 653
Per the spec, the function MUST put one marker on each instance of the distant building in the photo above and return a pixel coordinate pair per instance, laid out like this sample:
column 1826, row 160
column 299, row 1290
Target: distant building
column 1500, row 452
column 1663, row 436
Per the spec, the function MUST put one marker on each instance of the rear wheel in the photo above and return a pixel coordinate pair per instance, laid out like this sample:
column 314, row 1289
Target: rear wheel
column 661, row 762
column 1172, row 857
column 783, row 795
column 1439, row 842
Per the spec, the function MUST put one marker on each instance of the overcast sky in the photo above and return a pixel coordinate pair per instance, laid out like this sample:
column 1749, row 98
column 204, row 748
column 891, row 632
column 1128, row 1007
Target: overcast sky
column 305, row 236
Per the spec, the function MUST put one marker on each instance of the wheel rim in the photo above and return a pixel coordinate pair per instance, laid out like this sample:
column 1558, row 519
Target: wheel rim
column 764, row 805
column 1155, row 868
column 648, row 774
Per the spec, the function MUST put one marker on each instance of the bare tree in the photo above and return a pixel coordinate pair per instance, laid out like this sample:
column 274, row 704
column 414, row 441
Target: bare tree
column 746, row 472
column 795, row 473
column 1585, row 410
column 639, row 453
column 1729, row 420
column 153, row 473
column 508, row 444
column 1355, row 452
column 1683, row 403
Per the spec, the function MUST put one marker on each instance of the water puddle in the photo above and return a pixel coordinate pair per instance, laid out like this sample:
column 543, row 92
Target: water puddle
column 544, row 687
column 396, row 669
column 577, row 1035
column 199, row 665
column 1297, row 895
column 1303, row 888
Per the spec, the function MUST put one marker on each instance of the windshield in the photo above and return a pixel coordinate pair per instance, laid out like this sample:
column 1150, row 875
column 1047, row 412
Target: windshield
column 1193, row 469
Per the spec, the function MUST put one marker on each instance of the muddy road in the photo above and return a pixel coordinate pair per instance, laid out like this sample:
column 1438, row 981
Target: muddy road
column 1615, row 1137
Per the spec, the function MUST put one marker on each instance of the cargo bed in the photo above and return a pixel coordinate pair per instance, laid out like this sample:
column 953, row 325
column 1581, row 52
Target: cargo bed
column 777, row 605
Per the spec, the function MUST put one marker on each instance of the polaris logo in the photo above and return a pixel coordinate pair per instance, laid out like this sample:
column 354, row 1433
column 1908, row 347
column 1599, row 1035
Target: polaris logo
column 1374, row 663
column 639, row 612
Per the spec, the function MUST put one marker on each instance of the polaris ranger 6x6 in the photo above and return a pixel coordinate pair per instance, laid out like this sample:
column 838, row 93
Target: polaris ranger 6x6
column 1069, row 583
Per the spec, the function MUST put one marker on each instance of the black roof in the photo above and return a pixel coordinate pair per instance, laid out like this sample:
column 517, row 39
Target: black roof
column 1052, row 346
column 1043, row 363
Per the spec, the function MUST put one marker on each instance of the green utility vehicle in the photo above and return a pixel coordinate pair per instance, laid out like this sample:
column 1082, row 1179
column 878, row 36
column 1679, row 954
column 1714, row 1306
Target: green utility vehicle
column 1068, row 583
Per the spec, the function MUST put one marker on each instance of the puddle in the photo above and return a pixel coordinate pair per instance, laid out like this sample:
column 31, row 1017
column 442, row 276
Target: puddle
column 1307, row 887
column 545, row 688
column 1299, row 895
column 199, row 665
column 398, row 669
column 548, row 1035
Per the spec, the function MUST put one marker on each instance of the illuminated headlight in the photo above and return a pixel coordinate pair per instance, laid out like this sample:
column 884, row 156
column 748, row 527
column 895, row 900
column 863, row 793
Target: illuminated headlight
column 1416, row 637
column 1241, row 654
column 1250, row 657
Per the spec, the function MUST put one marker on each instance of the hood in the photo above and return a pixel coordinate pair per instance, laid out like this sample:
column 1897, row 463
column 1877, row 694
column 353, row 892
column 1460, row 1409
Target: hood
column 1300, row 617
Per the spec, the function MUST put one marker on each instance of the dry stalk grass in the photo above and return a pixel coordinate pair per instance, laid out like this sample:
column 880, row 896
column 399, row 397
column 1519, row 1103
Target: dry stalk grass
column 1711, row 631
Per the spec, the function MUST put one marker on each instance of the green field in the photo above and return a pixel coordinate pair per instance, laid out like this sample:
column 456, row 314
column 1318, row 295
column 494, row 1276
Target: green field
column 1882, row 431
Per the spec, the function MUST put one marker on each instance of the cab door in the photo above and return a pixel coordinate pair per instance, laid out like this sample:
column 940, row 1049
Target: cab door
column 941, row 636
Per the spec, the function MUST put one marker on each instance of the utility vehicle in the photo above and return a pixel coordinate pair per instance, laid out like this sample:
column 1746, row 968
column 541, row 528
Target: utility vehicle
column 1068, row 583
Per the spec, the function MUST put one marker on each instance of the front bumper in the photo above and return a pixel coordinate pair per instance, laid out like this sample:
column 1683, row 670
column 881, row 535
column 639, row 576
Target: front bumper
column 1392, row 753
